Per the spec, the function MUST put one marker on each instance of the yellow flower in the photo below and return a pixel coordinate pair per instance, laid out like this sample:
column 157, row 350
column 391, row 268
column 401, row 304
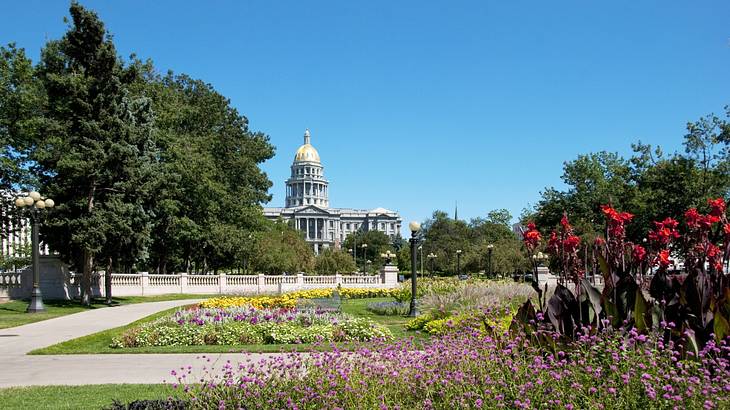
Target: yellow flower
column 289, row 300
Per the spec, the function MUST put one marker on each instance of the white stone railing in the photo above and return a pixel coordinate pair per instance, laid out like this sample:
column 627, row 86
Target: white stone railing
column 141, row 284
column 10, row 284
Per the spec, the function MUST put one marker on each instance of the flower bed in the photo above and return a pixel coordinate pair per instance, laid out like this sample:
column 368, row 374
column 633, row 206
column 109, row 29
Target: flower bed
column 392, row 308
column 289, row 300
column 248, row 325
column 436, row 323
column 611, row 369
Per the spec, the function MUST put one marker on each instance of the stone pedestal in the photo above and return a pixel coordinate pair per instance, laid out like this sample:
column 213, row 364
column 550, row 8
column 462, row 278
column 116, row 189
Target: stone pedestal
column 55, row 281
column 389, row 275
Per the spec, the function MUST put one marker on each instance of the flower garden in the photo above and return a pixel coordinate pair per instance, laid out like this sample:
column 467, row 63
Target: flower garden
column 648, row 339
column 260, row 320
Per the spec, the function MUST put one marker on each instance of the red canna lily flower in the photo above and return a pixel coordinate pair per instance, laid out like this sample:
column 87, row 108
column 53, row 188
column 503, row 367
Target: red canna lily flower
column 717, row 206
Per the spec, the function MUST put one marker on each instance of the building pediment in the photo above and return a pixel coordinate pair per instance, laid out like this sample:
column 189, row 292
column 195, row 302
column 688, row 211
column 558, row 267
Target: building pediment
column 311, row 210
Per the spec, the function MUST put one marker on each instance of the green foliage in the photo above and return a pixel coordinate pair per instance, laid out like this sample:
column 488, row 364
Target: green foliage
column 281, row 248
column 444, row 236
column 330, row 262
column 649, row 184
column 210, row 185
column 377, row 243
column 165, row 332
column 147, row 171
column 21, row 102
column 417, row 323
column 391, row 308
column 97, row 152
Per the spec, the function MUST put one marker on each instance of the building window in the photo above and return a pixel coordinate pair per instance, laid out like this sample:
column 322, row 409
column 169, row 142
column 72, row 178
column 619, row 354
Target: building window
column 348, row 227
column 332, row 224
column 382, row 226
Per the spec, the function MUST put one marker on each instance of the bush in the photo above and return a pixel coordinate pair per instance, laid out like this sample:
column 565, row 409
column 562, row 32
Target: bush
column 389, row 308
column 363, row 329
column 169, row 404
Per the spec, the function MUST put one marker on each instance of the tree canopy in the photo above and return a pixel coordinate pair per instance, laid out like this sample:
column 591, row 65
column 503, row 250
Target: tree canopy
column 148, row 171
column 650, row 184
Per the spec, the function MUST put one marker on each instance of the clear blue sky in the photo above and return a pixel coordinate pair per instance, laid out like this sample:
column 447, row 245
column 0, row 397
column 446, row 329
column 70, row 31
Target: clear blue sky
column 414, row 105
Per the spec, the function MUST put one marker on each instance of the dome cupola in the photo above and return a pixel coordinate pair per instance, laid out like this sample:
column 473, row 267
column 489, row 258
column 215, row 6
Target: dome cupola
column 306, row 153
column 307, row 185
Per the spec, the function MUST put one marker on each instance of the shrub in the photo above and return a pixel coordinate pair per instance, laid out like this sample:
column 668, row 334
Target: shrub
column 475, row 296
column 363, row 329
column 389, row 308
column 168, row 404
column 420, row 321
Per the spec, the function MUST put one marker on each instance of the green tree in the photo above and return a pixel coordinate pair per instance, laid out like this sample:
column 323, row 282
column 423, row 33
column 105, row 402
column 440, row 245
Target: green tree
column 22, row 99
column 377, row 243
column 210, row 186
column 330, row 262
column 96, row 148
column 279, row 249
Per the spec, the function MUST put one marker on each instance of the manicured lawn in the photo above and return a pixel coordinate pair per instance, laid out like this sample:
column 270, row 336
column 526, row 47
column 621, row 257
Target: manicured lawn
column 80, row 397
column 99, row 342
column 13, row 313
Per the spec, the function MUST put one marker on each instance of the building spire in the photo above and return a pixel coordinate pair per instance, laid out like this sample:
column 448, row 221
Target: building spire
column 306, row 136
column 456, row 210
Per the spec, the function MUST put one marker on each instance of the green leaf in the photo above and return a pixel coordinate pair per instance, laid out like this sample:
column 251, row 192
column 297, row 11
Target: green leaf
column 640, row 311
column 603, row 265
column 721, row 327
column 612, row 312
column 594, row 297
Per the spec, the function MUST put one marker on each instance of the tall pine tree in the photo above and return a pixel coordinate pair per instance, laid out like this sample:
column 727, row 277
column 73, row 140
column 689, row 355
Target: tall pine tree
column 97, row 152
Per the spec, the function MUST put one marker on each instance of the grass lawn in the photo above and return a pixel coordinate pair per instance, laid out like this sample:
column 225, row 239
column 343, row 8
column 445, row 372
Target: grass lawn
column 80, row 397
column 13, row 313
column 99, row 342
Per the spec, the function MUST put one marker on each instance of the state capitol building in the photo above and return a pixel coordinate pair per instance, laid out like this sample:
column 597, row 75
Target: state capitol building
column 307, row 205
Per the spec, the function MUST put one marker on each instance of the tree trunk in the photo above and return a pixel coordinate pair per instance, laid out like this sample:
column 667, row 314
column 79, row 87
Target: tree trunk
column 88, row 256
column 86, row 278
column 163, row 264
column 108, row 281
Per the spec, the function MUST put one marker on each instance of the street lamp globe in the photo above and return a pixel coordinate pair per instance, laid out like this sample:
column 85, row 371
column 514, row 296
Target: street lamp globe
column 34, row 195
column 49, row 203
column 28, row 201
column 19, row 202
column 490, row 246
column 40, row 204
column 414, row 226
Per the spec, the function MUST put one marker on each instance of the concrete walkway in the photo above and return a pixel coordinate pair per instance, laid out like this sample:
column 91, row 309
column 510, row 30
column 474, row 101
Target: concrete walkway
column 19, row 369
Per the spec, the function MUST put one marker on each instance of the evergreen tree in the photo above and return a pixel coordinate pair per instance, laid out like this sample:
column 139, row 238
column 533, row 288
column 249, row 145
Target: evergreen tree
column 96, row 152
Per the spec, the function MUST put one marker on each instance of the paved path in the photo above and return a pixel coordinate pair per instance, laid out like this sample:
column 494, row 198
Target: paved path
column 19, row 369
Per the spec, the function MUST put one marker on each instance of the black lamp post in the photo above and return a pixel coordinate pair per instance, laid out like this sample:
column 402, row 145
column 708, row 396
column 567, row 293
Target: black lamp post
column 432, row 258
column 490, row 247
column 415, row 227
column 35, row 203
column 458, row 263
column 364, row 256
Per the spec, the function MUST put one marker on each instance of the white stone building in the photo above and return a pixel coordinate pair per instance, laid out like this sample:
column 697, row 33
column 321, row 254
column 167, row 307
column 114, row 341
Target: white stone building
column 307, row 204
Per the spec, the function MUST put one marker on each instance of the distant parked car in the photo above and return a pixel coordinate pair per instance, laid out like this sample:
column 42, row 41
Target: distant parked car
column 522, row 276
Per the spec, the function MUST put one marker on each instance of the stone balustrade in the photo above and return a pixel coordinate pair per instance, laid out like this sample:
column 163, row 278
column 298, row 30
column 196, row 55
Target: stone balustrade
column 12, row 285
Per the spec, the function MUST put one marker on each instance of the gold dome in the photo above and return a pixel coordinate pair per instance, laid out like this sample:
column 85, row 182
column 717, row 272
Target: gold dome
column 306, row 153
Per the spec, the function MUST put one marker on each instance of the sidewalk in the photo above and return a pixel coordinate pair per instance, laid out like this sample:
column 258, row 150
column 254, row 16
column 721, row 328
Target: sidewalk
column 19, row 369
